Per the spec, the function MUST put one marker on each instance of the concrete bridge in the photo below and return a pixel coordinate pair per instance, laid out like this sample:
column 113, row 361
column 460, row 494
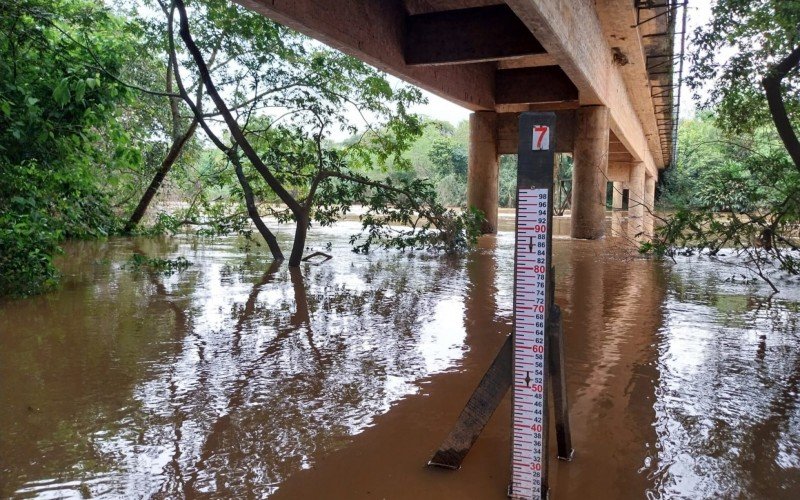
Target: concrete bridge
column 604, row 66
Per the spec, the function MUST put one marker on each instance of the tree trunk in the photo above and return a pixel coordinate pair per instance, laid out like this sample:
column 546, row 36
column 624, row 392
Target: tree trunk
column 252, row 211
column 237, row 134
column 777, row 108
column 166, row 165
column 299, row 245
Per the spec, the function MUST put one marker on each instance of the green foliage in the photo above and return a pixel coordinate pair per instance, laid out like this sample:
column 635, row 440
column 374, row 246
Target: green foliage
column 440, row 155
column 58, row 133
column 740, row 193
column 345, row 182
column 508, row 181
column 448, row 160
column 81, row 137
column 38, row 209
column 320, row 91
column 167, row 267
column 163, row 223
column 416, row 222
column 448, row 157
column 27, row 242
column 734, row 185
column 732, row 54
column 717, row 172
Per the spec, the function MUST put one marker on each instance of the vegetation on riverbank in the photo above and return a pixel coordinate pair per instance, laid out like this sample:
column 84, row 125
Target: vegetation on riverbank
column 743, row 160
column 62, row 132
column 104, row 109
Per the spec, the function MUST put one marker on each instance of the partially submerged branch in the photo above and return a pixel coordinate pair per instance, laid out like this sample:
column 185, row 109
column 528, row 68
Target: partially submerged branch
column 300, row 214
column 166, row 165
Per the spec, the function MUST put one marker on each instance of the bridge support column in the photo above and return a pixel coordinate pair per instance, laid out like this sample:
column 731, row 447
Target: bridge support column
column 589, row 173
column 649, row 202
column 636, row 201
column 484, row 168
column 616, row 209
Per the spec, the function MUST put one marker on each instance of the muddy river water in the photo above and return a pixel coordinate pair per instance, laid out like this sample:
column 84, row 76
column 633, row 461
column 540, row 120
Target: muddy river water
column 232, row 379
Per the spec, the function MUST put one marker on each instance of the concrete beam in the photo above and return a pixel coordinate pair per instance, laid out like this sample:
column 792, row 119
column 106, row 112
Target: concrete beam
column 618, row 19
column 534, row 106
column 571, row 32
column 527, row 62
column 468, row 36
column 619, row 172
column 373, row 32
column 617, row 152
column 546, row 84
column 427, row 6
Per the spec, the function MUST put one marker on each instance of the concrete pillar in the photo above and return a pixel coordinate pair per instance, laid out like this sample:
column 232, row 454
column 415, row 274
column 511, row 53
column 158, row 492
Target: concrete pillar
column 649, row 202
column 484, row 167
column 616, row 209
column 616, row 204
column 589, row 172
column 636, row 201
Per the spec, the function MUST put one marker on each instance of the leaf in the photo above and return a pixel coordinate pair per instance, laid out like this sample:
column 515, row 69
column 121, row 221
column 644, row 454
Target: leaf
column 61, row 93
column 80, row 90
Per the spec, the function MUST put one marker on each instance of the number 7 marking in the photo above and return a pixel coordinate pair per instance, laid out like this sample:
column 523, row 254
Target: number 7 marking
column 542, row 140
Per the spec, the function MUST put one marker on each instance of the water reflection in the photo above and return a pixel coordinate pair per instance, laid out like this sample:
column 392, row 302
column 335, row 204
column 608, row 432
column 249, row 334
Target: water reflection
column 728, row 417
column 222, row 380
column 235, row 380
column 612, row 305
column 386, row 461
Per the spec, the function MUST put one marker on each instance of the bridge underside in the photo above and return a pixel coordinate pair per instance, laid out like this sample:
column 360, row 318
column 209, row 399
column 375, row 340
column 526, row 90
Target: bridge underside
column 604, row 66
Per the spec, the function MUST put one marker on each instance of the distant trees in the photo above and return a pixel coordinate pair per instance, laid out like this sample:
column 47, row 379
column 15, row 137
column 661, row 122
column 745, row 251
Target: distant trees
column 448, row 160
column 440, row 154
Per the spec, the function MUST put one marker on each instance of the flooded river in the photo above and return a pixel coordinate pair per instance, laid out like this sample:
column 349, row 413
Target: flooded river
column 232, row 379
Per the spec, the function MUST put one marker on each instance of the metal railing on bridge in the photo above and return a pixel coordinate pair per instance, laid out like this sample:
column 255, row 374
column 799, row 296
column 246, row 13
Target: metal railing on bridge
column 658, row 21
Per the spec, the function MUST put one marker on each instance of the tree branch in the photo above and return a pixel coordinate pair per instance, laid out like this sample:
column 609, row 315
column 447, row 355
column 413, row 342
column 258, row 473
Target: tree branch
column 236, row 131
column 252, row 210
column 102, row 68
column 777, row 107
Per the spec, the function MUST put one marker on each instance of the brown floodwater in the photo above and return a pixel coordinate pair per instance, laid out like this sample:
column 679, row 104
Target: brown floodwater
column 234, row 379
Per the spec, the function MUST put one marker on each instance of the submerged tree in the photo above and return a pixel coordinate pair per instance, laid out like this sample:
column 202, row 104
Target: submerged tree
column 746, row 59
column 98, row 104
column 228, row 42
column 312, row 180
